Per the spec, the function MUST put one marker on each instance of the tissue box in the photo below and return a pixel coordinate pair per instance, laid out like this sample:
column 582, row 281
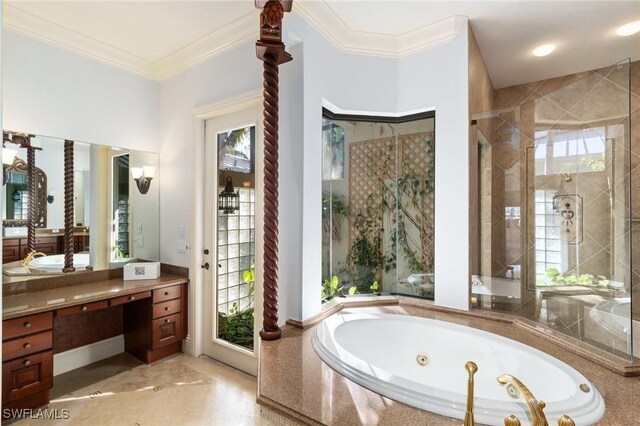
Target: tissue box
column 141, row 271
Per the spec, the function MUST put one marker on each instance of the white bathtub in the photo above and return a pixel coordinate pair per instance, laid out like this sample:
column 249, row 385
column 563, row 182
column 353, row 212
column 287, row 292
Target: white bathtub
column 80, row 261
column 379, row 351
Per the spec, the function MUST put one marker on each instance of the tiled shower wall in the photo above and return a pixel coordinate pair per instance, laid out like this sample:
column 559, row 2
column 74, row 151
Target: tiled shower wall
column 582, row 97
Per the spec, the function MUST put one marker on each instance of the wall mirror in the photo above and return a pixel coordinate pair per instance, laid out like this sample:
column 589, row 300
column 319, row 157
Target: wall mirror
column 115, row 210
column 16, row 195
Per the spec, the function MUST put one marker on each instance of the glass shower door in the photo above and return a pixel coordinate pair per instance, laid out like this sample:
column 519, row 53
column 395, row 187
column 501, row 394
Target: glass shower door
column 558, row 212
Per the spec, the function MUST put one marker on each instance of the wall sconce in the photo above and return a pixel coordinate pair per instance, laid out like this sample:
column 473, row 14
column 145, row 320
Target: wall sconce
column 228, row 200
column 50, row 197
column 15, row 195
column 142, row 176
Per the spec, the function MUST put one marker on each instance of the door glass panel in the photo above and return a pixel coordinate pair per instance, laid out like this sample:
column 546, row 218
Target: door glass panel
column 235, row 227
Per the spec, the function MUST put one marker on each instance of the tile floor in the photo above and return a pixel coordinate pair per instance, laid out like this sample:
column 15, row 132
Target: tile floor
column 178, row 391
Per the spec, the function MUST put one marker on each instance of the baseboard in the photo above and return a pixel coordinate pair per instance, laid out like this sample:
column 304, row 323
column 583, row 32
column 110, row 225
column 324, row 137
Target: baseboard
column 85, row 355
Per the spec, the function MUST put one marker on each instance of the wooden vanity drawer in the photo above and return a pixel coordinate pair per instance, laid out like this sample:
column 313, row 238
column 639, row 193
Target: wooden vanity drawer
column 130, row 298
column 26, row 325
column 166, row 293
column 27, row 345
column 166, row 308
column 27, row 375
column 87, row 307
column 166, row 330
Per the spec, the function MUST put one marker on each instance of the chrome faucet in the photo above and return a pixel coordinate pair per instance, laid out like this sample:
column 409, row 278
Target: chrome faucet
column 536, row 408
column 32, row 255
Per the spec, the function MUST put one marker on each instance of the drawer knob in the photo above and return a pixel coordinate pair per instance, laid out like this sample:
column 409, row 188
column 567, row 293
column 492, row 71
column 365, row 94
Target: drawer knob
column 168, row 321
column 26, row 362
column 27, row 325
column 27, row 346
column 166, row 308
column 166, row 293
column 132, row 298
column 85, row 309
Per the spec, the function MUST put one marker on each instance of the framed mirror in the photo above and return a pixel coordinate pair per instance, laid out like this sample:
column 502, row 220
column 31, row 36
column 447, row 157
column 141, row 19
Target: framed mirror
column 17, row 196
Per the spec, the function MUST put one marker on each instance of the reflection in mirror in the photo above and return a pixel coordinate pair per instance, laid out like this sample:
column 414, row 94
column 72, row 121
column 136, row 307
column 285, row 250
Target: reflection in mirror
column 16, row 197
column 102, row 176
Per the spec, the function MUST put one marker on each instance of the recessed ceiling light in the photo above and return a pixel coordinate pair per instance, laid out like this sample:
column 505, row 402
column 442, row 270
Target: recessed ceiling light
column 544, row 50
column 628, row 29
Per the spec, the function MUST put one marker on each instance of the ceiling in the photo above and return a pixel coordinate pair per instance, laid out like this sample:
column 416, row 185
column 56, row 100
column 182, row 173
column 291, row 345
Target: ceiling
column 161, row 38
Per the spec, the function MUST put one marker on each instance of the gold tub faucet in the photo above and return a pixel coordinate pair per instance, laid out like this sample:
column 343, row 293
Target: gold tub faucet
column 536, row 408
column 471, row 368
column 32, row 255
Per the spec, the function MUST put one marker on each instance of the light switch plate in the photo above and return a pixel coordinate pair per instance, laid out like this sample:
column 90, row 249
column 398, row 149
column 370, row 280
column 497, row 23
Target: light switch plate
column 140, row 241
column 182, row 246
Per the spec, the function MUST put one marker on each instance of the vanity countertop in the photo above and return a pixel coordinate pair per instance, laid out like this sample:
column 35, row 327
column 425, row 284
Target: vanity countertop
column 48, row 299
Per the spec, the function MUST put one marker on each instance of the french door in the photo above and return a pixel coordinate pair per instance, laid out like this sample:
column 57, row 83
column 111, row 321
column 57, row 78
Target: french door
column 232, row 274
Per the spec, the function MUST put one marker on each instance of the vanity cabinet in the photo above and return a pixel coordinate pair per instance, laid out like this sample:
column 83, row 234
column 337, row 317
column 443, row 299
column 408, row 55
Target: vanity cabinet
column 15, row 249
column 27, row 368
column 10, row 250
column 80, row 243
column 167, row 316
column 153, row 321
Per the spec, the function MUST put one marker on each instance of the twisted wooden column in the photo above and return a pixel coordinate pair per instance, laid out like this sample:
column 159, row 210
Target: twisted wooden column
column 31, row 204
column 270, row 330
column 68, row 207
column 270, row 50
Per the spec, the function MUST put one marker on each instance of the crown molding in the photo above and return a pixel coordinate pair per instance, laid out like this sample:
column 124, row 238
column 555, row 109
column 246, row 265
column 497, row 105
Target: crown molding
column 232, row 35
column 226, row 38
column 333, row 28
column 245, row 29
column 16, row 20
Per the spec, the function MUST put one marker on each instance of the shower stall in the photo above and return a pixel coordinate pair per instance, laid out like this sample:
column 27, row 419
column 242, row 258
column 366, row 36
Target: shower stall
column 378, row 205
column 557, row 207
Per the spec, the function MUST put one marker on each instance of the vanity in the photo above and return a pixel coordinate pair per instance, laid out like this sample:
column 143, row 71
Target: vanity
column 44, row 317
column 76, row 213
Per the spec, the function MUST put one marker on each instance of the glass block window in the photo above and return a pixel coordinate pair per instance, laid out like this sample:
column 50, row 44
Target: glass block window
column 548, row 252
column 236, row 246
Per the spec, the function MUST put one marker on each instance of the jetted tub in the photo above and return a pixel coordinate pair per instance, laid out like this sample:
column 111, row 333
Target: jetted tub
column 380, row 352
column 80, row 261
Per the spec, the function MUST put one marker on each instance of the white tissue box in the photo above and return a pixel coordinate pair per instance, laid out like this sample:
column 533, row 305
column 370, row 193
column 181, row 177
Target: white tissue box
column 141, row 271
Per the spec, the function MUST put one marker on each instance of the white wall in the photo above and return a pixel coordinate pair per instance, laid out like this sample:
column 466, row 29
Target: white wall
column 143, row 210
column 438, row 78
column 53, row 92
column 433, row 79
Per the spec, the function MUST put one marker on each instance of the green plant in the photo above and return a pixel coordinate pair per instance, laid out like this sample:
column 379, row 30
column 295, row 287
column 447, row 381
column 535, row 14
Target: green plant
column 374, row 287
column 555, row 277
column 334, row 210
column 366, row 248
column 330, row 287
column 249, row 277
column 239, row 327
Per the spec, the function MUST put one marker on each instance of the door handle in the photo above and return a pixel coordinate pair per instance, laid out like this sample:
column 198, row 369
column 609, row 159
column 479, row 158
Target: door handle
column 205, row 265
